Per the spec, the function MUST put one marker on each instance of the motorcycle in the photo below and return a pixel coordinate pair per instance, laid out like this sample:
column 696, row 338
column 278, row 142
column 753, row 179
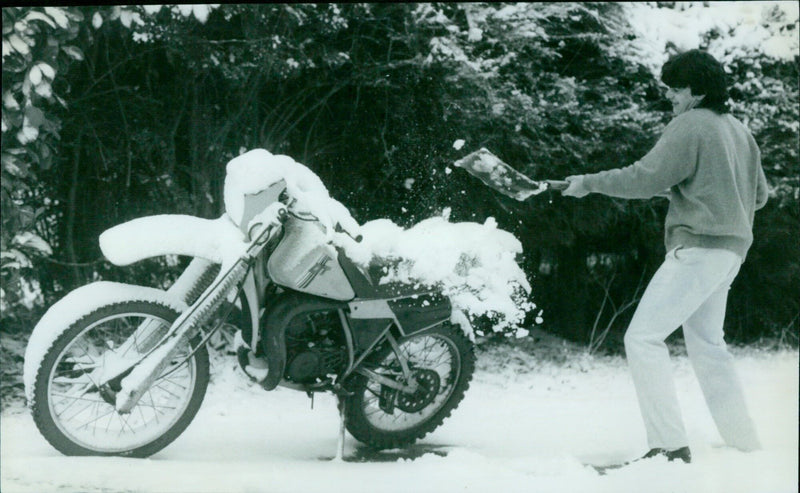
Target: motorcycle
column 118, row 369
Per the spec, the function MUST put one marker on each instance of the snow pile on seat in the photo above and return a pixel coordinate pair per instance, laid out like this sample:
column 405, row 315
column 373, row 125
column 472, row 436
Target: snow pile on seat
column 474, row 264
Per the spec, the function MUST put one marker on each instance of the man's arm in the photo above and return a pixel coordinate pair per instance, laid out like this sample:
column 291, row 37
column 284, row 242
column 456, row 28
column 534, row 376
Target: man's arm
column 672, row 160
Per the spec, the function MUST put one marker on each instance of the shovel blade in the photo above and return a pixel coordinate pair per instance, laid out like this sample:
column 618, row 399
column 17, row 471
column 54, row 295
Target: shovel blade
column 496, row 174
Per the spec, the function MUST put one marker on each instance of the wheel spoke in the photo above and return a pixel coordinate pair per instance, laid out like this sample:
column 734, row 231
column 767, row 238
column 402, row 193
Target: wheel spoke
column 124, row 421
column 169, row 380
column 153, row 405
column 81, row 410
column 85, row 425
column 79, row 398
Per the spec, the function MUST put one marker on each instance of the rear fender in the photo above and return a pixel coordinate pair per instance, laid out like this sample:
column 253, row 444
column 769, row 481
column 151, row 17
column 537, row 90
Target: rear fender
column 411, row 314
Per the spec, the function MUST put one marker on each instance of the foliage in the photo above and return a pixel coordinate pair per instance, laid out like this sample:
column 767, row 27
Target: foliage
column 38, row 47
column 113, row 112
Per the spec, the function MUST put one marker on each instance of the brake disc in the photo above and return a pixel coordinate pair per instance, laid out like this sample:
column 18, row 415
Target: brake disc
column 428, row 383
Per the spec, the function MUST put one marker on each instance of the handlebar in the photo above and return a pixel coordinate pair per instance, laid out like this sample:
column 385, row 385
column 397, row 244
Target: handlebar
column 558, row 185
column 339, row 229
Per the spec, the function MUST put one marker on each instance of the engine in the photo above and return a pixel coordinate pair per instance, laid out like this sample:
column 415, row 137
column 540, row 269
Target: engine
column 315, row 347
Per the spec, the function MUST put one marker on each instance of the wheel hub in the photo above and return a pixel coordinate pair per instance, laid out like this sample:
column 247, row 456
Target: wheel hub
column 427, row 387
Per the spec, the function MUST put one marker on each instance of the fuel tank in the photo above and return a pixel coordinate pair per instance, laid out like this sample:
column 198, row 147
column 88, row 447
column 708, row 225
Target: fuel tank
column 305, row 262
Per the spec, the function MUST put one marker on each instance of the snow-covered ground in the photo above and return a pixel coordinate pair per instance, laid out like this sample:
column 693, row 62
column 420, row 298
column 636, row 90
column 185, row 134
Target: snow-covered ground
column 525, row 425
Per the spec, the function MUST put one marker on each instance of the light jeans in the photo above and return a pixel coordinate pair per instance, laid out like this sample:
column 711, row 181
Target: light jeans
column 690, row 289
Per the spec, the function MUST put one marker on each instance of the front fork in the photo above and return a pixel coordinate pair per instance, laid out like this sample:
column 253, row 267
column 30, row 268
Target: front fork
column 151, row 366
column 186, row 327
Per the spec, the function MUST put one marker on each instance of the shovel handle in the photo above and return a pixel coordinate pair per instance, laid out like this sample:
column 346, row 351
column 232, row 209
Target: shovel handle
column 557, row 184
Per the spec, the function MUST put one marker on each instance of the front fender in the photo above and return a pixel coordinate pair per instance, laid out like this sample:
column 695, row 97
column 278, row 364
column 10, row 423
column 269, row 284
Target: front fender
column 216, row 240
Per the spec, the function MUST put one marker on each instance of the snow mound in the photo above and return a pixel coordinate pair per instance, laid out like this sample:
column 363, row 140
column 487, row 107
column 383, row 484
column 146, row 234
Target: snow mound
column 474, row 264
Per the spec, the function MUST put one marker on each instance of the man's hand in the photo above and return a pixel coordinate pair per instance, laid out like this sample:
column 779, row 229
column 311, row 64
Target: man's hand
column 575, row 188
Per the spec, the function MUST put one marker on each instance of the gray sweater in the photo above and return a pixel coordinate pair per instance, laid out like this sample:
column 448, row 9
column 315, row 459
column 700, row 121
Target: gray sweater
column 712, row 167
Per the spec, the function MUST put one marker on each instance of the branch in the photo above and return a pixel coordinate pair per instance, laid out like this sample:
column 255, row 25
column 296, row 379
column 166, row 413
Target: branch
column 594, row 344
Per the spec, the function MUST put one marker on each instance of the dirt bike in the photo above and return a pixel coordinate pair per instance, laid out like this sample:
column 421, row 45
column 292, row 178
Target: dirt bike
column 117, row 369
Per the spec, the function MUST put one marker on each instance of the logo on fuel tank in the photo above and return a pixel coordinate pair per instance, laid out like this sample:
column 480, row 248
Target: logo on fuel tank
column 319, row 267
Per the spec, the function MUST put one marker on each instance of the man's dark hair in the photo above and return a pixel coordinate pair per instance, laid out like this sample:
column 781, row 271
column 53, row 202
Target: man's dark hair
column 702, row 73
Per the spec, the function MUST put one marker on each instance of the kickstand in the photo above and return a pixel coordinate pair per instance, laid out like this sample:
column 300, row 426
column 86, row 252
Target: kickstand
column 340, row 446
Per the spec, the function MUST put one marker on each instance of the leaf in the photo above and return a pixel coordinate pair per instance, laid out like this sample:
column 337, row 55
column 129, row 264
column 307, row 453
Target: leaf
column 15, row 166
column 60, row 100
column 125, row 17
column 29, row 239
column 46, row 70
column 38, row 16
column 46, row 160
column 35, row 75
column 18, row 44
column 185, row 10
column 27, row 135
column 9, row 101
column 14, row 259
column 22, row 27
column 58, row 15
column 74, row 15
column 97, row 20
column 75, row 52
column 44, row 89
column 201, row 12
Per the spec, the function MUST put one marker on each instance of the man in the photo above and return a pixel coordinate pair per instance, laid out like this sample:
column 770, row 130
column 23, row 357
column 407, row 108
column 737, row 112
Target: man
column 711, row 166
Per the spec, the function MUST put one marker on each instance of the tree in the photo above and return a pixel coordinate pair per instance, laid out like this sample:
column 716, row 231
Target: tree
column 372, row 97
column 38, row 47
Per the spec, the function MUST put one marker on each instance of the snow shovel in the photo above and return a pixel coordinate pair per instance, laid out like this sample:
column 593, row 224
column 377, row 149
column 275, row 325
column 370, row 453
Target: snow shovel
column 498, row 175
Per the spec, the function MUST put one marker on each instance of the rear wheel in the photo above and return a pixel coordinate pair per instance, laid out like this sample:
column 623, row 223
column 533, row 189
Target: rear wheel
column 73, row 405
column 441, row 361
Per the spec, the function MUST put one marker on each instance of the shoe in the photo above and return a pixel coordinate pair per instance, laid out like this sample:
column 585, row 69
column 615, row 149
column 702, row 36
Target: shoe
column 682, row 453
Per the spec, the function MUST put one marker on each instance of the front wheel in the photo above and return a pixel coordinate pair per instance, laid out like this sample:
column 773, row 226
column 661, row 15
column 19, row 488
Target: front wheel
column 441, row 361
column 74, row 402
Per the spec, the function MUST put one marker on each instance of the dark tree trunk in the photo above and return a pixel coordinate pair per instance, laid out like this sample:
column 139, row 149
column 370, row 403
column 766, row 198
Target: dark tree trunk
column 71, row 210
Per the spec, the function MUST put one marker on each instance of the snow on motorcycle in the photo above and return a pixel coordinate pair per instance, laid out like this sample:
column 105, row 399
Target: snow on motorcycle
column 119, row 369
